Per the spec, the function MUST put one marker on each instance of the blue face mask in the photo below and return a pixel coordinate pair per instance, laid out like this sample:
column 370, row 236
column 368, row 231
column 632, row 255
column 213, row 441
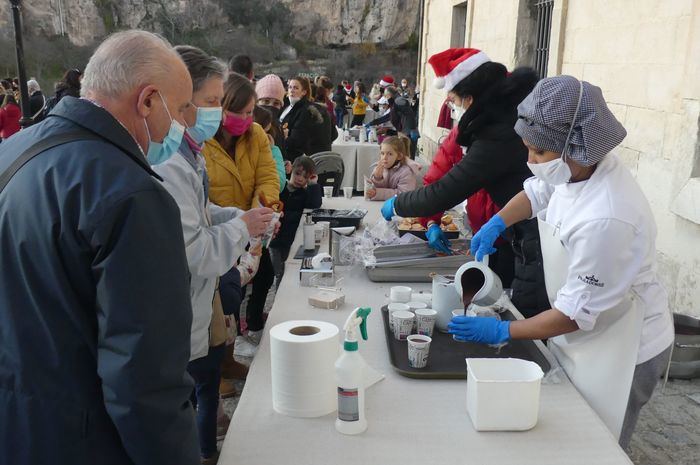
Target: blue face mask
column 158, row 152
column 208, row 122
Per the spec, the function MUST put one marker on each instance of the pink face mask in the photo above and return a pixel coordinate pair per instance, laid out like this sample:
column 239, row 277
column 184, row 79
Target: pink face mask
column 235, row 125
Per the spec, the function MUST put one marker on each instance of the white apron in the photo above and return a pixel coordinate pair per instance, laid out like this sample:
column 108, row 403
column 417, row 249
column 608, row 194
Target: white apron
column 600, row 362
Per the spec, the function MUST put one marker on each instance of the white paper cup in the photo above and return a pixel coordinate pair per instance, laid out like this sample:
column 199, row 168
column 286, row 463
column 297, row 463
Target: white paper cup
column 457, row 312
column 425, row 321
column 347, row 192
column 395, row 307
column 401, row 294
column 418, row 349
column 416, row 305
column 328, row 191
column 403, row 324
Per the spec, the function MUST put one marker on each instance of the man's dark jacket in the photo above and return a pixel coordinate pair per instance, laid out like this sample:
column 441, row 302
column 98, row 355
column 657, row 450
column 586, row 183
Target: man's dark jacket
column 495, row 160
column 95, row 310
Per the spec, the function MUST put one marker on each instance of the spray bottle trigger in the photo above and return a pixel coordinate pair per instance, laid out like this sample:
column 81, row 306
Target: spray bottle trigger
column 364, row 313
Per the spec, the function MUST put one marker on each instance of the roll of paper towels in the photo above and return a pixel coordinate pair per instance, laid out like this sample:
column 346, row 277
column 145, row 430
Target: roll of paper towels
column 302, row 360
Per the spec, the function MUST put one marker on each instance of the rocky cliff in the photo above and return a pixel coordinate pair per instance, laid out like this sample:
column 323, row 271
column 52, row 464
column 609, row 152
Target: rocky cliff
column 343, row 22
column 323, row 22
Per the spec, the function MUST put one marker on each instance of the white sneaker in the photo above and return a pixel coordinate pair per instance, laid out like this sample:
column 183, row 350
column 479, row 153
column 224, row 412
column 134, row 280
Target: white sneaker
column 243, row 348
column 254, row 337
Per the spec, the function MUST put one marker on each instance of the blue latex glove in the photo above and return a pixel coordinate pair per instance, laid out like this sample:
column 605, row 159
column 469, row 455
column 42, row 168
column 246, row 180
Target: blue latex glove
column 482, row 242
column 479, row 329
column 388, row 209
column 437, row 239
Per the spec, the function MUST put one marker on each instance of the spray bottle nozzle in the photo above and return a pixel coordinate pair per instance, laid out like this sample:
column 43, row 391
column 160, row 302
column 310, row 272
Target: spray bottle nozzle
column 358, row 317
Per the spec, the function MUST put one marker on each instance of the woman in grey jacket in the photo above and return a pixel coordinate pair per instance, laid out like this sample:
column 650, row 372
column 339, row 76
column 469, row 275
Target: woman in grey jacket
column 215, row 237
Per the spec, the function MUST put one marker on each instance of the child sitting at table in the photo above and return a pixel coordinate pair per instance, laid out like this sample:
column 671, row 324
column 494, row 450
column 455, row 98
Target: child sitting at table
column 301, row 192
column 392, row 174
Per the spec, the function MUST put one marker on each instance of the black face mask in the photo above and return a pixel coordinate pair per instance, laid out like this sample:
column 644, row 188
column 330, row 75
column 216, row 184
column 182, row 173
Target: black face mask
column 274, row 110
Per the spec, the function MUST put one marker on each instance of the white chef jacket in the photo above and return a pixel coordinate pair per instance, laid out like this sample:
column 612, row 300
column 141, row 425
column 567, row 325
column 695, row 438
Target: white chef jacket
column 215, row 237
column 608, row 229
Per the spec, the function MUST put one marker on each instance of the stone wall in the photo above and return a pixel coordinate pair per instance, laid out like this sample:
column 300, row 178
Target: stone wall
column 645, row 55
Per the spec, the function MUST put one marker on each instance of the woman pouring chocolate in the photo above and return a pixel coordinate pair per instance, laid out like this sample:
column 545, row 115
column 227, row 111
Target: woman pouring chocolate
column 484, row 161
column 609, row 324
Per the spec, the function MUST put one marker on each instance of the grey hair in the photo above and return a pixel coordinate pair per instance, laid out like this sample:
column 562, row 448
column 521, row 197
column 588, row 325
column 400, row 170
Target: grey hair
column 126, row 60
column 32, row 85
column 201, row 65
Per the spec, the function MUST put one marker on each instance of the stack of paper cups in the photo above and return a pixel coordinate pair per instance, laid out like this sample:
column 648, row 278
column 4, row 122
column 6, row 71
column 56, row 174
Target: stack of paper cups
column 303, row 355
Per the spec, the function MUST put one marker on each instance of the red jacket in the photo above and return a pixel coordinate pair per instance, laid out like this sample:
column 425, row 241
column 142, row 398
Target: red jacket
column 480, row 207
column 9, row 120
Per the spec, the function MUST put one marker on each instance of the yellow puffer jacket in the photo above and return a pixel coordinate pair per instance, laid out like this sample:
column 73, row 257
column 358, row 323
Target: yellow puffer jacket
column 239, row 184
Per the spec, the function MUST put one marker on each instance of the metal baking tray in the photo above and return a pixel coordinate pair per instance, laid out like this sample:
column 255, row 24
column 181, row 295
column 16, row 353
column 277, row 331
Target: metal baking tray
column 415, row 262
column 446, row 356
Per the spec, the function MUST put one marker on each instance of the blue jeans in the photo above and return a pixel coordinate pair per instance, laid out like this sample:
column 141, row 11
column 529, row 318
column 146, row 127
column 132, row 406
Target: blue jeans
column 206, row 372
column 339, row 114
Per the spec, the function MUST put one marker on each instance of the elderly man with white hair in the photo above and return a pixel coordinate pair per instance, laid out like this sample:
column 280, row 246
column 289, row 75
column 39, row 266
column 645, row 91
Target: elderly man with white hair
column 95, row 310
column 37, row 100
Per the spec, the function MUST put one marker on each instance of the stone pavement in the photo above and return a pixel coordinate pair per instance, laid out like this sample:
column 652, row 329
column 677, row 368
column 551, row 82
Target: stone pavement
column 668, row 432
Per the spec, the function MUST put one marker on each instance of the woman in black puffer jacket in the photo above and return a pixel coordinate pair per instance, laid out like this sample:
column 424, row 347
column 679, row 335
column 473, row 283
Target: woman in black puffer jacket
column 495, row 159
column 303, row 123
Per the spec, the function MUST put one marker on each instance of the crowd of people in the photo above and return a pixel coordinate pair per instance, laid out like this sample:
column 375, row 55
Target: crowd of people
column 175, row 147
column 132, row 242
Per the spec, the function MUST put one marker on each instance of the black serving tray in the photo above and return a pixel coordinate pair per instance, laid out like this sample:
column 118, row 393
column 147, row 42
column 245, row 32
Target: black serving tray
column 339, row 218
column 421, row 234
column 303, row 253
column 446, row 356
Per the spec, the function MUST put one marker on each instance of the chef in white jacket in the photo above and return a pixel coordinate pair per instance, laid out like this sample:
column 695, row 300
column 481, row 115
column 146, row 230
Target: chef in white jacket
column 609, row 325
column 215, row 237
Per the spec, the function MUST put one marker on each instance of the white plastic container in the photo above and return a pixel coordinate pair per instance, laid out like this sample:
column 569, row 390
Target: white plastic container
column 503, row 394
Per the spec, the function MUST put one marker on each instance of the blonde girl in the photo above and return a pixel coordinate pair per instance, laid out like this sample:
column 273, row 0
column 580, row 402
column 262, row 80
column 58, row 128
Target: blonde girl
column 392, row 174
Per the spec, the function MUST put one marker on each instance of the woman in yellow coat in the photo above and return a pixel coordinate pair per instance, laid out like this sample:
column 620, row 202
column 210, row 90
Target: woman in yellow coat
column 240, row 168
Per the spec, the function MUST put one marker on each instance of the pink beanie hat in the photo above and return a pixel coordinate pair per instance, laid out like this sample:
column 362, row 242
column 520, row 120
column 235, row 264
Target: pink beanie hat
column 270, row 87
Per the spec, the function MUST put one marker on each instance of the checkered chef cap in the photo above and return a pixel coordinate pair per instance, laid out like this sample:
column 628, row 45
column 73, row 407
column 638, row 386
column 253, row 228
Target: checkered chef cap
column 545, row 118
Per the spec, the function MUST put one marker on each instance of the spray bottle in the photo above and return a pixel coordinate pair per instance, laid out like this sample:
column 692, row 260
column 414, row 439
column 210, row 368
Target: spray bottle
column 350, row 376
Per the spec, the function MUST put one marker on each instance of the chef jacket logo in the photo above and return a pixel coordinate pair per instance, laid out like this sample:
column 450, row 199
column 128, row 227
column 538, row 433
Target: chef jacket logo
column 592, row 280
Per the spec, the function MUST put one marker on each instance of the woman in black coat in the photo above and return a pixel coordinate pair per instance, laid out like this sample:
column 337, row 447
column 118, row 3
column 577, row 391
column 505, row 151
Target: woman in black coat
column 302, row 122
column 495, row 159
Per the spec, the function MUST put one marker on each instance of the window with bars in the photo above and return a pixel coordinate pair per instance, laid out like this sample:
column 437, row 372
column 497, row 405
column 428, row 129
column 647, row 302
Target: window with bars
column 459, row 25
column 543, row 27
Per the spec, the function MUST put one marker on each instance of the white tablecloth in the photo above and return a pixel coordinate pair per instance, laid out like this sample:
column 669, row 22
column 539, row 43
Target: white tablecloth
column 410, row 421
column 357, row 158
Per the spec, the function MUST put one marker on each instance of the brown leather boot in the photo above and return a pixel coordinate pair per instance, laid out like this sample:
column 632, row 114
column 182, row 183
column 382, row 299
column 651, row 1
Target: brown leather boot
column 231, row 369
column 227, row 389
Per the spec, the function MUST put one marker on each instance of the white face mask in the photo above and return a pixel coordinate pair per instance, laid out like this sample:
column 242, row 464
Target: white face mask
column 557, row 171
column 553, row 172
column 457, row 111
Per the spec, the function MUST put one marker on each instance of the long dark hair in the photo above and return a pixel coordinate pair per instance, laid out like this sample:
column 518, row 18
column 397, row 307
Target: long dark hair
column 69, row 84
column 493, row 101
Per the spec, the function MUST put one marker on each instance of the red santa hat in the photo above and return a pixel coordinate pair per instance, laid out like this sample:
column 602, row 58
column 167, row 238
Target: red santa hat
column 387, row 81
column 454, row 64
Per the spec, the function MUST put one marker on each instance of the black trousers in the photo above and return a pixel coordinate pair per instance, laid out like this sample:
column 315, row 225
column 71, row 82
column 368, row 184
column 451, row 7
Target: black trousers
column 262, row 282
column 357, row 120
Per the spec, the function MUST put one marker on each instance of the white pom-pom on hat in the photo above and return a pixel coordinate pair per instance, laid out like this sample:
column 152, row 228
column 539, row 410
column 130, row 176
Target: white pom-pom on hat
column 439, row 82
